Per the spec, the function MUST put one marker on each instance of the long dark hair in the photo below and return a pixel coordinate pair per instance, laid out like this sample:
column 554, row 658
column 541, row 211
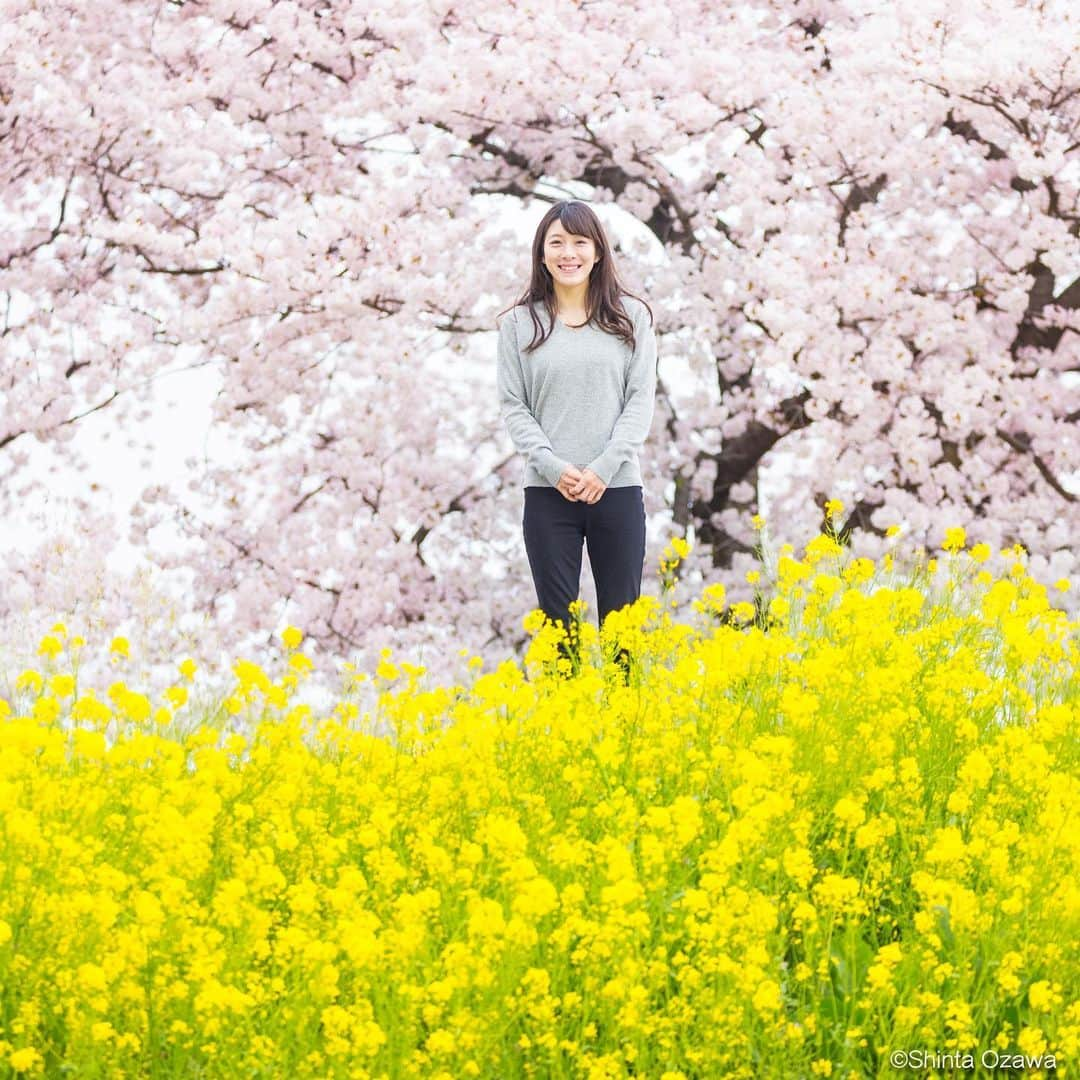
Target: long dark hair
column 603, row 299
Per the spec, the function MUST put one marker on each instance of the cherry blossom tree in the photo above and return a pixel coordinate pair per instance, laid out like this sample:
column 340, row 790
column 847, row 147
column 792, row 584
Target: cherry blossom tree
column 858, row 226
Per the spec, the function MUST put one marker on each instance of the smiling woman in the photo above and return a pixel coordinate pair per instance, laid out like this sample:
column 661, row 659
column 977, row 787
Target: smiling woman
column 577, row 400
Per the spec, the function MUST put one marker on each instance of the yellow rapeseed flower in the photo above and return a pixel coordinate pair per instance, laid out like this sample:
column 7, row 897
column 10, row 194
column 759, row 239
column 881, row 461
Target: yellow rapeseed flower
column 88, row 707
column 388, row 671
column 49, row 646
column 176, row 696
column 30, row 680
column 62, row 686
column 46, row 709
column 134, row 706
column 821, row 547
column 1031, row 1041
column 1044, row 996
column 955, row 538
column 301, row 664
column 743, row 610
column 500, row 852
column 860, row 570
column 712, row 599
column 251, row 675
column 24, row 1059
column 779, row 607
column 849, row 813
column 767, row 997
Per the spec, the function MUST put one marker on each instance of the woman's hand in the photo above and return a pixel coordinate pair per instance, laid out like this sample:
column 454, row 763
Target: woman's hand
column 589, row 487
column 569, row 479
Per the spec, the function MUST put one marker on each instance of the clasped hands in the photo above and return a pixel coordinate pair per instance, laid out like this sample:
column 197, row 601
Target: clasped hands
column 581, row 485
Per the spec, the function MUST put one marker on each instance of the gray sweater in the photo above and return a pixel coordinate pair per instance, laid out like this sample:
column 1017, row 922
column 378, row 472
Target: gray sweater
column 582, row 398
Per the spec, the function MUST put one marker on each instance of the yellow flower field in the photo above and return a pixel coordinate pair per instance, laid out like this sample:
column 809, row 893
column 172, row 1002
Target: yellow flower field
column 806, row 837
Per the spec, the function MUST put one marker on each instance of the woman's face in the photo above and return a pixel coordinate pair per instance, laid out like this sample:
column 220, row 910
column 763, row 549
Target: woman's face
column 568, row 257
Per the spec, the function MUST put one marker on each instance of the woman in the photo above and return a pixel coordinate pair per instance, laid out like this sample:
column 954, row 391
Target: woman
column 577, row 386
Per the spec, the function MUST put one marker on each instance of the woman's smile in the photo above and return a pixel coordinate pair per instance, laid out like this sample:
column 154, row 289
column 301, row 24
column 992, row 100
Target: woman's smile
column 568, row 255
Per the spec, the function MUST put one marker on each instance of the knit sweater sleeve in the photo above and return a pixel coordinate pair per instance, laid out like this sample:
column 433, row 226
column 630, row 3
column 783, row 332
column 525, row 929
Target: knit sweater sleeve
column 632, row 427
column 525, row 431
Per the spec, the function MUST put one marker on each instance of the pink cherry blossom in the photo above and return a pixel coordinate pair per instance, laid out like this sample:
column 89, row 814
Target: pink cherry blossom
column 864, row 217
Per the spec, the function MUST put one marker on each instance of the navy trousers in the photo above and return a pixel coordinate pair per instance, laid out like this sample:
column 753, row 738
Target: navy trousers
column 613, row 530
